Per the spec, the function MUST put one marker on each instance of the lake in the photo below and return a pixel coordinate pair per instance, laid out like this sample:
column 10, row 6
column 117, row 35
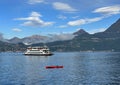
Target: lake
column 80, row 68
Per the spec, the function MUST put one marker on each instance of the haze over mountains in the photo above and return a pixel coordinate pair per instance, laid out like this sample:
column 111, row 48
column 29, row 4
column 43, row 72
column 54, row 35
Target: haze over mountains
column 29, row 40
column 81, row 40
column 39, row 38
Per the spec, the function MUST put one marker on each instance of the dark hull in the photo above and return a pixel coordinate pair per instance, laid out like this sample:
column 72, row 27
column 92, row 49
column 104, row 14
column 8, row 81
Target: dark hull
column 39, row 54
column 52, row 67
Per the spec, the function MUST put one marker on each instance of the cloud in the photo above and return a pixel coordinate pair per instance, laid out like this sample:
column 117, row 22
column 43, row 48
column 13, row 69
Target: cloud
column 108, row 10
column 75, row 17
column 16, row 29
column 62, row 26
column 97, row 30
column 63, row 7
column 34, row 20
column 62, row 17
column 1, row 37
column 35, row 1
column 84, row 21
column 61, row 37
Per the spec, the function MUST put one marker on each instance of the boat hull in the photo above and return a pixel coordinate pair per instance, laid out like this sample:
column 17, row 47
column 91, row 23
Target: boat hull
column 39, row 54
column 52, row 67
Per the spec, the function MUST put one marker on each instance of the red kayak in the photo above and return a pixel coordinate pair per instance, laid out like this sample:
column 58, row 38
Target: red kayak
column 47, row 67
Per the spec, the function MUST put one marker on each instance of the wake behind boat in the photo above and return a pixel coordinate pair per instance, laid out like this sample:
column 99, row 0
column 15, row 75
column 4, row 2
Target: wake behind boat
column 38, row 51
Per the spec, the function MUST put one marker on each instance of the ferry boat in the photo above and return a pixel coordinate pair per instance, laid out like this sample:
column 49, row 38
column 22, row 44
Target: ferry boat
column 38, row 51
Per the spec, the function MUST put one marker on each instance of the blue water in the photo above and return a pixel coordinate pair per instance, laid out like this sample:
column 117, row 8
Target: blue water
column 80, row 68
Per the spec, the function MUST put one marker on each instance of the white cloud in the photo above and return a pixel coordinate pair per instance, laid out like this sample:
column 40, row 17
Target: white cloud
column 75, row 17
column 35, row 1
column 109, row 10
column 97, row 30
column 84, row 21
column 63, row 7
column 34, row 20
column 62, row 17
column 16, row 29
column 2, row 38
column 62, row 26
column 61, row 36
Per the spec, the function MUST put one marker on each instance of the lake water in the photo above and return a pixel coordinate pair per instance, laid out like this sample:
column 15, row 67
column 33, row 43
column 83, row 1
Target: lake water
column 80, row 68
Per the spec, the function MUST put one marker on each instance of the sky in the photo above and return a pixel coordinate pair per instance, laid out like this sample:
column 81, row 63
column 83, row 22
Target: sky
column 21, row 18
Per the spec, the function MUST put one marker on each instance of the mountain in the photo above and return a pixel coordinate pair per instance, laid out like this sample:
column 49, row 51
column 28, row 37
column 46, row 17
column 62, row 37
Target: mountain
column 80, row 32
column 15, row 40
column 108, row 40
column 29, row 40
column 42, row 39
column 114, row 28
column 4, row 46
column 113, row 32
column 35, row 39
column 103, row 41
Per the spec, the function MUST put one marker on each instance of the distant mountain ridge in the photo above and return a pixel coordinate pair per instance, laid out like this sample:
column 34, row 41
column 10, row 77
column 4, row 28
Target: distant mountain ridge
column 42, row 39
column 15, row 40
column 29, row 40
column 108, row 40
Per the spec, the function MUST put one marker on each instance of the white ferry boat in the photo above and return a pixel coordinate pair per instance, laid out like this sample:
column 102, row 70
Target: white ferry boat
column 38, row 51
